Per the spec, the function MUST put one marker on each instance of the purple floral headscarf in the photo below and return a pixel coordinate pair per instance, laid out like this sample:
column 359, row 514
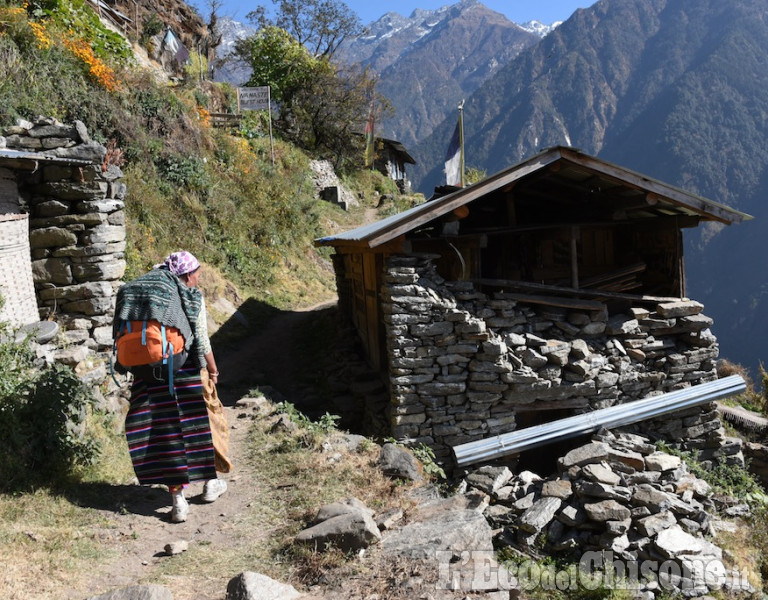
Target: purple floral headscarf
column 179, row 263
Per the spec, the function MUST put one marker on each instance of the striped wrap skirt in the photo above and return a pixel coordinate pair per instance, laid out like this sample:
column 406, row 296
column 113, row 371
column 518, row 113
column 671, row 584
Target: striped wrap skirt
column 169, row 438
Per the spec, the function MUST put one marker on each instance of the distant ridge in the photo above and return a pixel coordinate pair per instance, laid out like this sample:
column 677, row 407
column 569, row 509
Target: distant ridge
column 226, row 67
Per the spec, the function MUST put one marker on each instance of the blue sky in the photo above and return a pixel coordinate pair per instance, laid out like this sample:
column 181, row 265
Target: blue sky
column 518, row 11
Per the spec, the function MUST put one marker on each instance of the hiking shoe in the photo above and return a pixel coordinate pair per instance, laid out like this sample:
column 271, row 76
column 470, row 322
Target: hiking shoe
column 180, row 508
column 213, row 489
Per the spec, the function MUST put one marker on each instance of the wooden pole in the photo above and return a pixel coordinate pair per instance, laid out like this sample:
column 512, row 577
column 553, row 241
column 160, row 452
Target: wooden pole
column 574, row 257
column 461, row 141
column 269, row 106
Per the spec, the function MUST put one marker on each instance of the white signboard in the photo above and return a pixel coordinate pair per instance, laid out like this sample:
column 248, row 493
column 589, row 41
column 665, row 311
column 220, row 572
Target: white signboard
column 253, row 98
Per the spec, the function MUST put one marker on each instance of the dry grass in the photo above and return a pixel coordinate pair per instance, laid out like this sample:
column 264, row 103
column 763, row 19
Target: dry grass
column 306, row 471
column 740, row 552
column 48, row 543
column 48, row 538
column 84, row 538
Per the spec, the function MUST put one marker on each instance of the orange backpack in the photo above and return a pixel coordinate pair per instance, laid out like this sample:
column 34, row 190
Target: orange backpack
column 146, row 342
column 145, row 347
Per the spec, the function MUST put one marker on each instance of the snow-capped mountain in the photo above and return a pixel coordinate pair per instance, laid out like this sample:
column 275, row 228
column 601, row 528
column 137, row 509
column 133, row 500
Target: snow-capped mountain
column 540, row 28
column 426, row 62
column 226, row 67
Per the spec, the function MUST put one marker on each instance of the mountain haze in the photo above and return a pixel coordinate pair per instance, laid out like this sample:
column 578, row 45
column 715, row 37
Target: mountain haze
column 670, row 88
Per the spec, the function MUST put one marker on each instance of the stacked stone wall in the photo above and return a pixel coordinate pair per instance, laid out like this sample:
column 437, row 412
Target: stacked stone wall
column 464, row 364
column 77, row 230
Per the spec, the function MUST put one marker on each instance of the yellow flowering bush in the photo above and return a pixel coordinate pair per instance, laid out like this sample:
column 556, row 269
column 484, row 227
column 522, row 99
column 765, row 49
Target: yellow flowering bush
column 11, row 17
column 44, row 40
column 204, row 116
column 99, row 70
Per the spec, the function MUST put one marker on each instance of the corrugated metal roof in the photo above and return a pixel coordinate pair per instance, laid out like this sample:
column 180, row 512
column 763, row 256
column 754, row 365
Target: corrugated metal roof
column 614, row 416
column 672, row 200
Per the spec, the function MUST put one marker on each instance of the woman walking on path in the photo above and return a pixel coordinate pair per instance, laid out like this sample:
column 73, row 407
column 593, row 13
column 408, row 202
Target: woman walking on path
column 167, row 426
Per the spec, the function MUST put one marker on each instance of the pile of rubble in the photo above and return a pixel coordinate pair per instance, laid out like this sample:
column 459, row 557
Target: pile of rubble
column 620, row 499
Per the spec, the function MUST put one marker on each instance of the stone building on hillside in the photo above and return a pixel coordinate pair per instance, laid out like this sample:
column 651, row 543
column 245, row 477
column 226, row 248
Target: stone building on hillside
column 390, row 159
column 551, row 288
column 62, row 238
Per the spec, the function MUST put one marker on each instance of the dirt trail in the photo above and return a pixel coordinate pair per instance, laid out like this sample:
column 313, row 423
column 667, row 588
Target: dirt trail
column 270, row 357
column 138, row 517
column 139, row 525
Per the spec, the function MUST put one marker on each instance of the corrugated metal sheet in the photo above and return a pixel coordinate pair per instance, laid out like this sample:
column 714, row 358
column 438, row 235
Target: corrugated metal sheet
column 614, row 416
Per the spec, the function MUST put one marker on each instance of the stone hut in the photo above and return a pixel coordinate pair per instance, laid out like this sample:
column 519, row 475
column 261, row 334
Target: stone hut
column 64, row 189
column 551, row 288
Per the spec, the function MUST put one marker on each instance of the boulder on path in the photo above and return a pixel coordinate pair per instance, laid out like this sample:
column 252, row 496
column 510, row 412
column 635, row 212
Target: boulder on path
column 351, row 505
column 398, row 463
column 446, row 524
column 347, row 525
column 137, row 592
column 255, row 586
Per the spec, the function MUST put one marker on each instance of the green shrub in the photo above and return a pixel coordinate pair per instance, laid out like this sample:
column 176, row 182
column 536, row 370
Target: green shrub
column 186, row 171
column 426, row 456
column 727, row 479
column 151, row 26
column 325, row 424
column 43, row 416
column 77, row 16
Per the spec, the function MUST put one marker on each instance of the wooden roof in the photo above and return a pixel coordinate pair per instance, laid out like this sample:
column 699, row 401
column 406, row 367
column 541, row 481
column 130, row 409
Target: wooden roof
column 556, row 180
column 398, row 148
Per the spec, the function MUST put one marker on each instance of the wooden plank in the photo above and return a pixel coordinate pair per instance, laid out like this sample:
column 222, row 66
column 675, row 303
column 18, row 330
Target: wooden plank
column 613, row 275
column 371, row 282
column 575, row 303
column 697, row 204
column 574, row 256
column 556, row 289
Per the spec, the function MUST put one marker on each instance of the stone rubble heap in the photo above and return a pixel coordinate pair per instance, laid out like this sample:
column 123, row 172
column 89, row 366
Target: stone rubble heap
column 465, row 365
column 616, row 494
column 328, row 186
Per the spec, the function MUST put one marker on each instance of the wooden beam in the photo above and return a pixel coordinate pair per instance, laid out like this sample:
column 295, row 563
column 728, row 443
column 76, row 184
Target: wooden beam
column 575, row 257
column 436, row 208
column 574, row 303
column 702, row 206
column 650, row 222
column 556, row 289
column 396, row 246
column 615, row 274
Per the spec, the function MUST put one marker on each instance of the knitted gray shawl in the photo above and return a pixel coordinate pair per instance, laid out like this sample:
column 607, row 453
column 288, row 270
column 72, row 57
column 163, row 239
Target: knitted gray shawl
column 161, row 296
